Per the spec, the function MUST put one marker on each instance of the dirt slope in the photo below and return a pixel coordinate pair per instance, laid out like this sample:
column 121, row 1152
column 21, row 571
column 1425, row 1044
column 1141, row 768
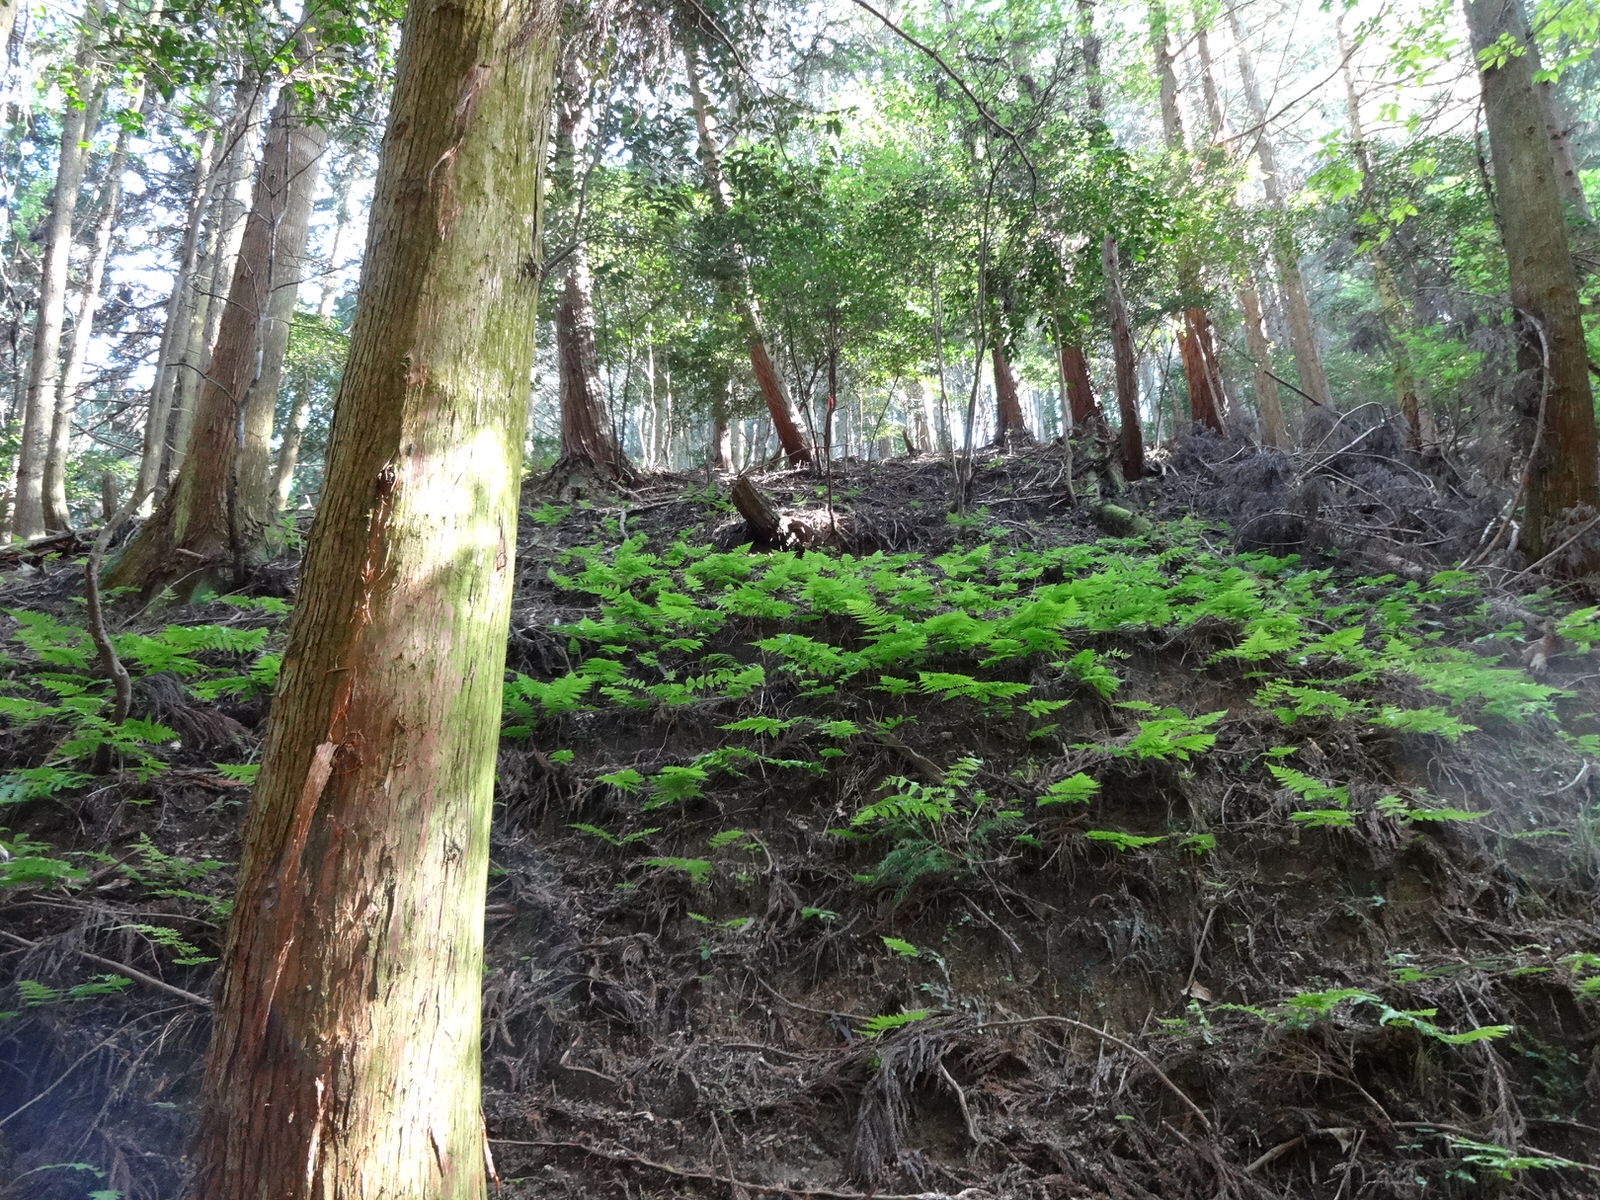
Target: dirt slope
column 1000, row 859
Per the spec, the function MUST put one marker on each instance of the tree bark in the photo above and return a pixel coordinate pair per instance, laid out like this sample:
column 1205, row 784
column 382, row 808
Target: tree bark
column 56, row 513
column 737, row 282
column 1544, row 284
column 1125, row 369
column 231, row 205
column 221, row 507
column 1196, row 348
column 588, row 440
column 1080, row 391
column 1302, row 327
column 293, row 435
column 77, row 126
column 345, row 1055
column 1131, row 436
column 1009, row 424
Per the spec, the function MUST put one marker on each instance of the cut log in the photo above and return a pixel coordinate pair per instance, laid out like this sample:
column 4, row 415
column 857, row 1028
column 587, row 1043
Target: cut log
column 764, row 523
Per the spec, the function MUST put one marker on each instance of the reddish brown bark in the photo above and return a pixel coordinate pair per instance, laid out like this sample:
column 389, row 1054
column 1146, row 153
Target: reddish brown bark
column 1198, row 353
column 1009, row 424
column 1080, row 391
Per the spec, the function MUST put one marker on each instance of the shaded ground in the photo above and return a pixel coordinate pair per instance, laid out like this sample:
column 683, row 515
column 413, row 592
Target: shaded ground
column 840, row 961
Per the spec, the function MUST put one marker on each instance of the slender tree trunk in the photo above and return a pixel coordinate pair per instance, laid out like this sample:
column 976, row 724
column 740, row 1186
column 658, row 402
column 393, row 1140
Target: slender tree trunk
column 1274, row 432
column 1196, row 348
column 293, row 435
column 1302, row 327
column 1544, row 284
column 588, row 439
column 215, row 145
column 254, row 503
column 345, row 1057
column 56, row 513
column 1131, row 437
column 737, row 284
column 229, row 219
column 1074, row 366
column 719, row 447
column 1125, row 367
column 1395, row 318
column 77, row 126
column 8, row 22
column 213, row 513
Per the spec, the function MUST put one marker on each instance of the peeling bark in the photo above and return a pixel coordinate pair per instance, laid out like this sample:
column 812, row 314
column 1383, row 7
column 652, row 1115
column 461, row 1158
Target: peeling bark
column 345, row 1055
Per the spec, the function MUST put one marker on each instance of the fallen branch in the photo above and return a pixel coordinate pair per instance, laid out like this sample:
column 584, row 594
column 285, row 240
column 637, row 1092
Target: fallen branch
column 132, row 973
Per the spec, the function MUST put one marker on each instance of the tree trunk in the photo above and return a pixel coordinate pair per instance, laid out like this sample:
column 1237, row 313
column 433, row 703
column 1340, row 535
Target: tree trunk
column 1395, row 319
column 77, row 126
column 719, row 446
column 1080, row 391
column 1195, row 346
column 293, row 435
column 290, row 169
column 220, row 507
column 1131, row 437
column 230, row 214
column 178, row 320
column 737, row 282
column 1302, row 328
column 1010, row 427
column 56, row 513
column 345, row 1057
column 588, row 440
column 1544, row 285
column 1273, row 431
column 1125, row 367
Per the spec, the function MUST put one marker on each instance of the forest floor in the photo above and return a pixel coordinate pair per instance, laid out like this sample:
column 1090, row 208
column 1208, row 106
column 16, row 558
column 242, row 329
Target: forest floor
column 1003, row 858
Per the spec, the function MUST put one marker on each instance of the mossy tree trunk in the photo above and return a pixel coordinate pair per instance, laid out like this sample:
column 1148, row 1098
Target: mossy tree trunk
column 1544, row 282
column 345, row 1058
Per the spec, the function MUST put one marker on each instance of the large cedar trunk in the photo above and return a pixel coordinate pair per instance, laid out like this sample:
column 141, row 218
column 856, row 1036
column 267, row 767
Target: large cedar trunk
column 1544, row 284
column 737, row 284
column 345, row 1056
column 202, row 524
column 77, row 126
column 587, row 439
column 1075, row 372
column 1198, row 353
column 1010, row 428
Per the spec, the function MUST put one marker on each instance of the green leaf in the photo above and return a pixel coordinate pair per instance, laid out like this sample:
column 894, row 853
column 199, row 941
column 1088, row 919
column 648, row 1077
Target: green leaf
column 1075, row 789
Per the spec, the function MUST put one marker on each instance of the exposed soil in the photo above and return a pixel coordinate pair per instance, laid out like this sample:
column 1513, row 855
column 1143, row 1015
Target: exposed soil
column 1098, row 1022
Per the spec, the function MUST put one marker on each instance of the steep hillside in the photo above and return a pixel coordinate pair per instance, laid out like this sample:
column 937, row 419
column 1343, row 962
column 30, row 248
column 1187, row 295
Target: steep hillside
column 1000, row 858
